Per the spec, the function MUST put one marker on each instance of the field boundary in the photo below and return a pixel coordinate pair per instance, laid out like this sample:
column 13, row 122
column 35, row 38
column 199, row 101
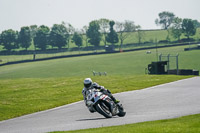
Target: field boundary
column 95, row 53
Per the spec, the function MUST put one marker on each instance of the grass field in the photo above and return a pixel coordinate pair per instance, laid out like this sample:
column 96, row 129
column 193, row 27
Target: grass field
column 31, row 87
column 27, row 95
column 11, row 58
column 186, row 124
column 130, row 63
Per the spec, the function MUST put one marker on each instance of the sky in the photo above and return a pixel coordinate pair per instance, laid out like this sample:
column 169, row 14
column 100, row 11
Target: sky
column 15, row 14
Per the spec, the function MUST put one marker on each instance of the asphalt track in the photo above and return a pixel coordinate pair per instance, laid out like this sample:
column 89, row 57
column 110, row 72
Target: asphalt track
column 165, row 101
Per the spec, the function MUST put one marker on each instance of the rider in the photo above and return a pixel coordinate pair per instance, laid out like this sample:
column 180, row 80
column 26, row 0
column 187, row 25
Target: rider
column 88, row 84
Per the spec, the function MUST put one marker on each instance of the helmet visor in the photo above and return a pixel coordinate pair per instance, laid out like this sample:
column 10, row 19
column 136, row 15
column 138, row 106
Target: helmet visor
column 87, row 85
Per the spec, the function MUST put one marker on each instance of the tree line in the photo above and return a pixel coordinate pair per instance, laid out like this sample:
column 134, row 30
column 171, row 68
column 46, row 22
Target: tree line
column 177, row 26
column 108, row 31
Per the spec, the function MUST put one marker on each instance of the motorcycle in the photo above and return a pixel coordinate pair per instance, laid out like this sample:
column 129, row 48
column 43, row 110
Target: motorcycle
column 104, row 105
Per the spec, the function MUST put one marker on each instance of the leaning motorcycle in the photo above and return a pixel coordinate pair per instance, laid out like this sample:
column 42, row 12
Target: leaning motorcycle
column 104, row 105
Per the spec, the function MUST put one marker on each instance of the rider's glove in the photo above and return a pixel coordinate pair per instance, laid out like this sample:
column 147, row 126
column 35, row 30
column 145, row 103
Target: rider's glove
column 101, row 90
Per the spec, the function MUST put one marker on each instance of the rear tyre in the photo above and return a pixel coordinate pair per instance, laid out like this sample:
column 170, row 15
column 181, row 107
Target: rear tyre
column 103, row 109
column 122, row 112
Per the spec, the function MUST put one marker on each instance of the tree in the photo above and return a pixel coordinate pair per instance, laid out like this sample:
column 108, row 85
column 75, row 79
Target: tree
column 124, row 30
column 9, row 39
column 140, row 33
column 25, row 37
column 176, row 29
column 33, row 30
column 196, row 23
column 112, row 36
column 165, row 19
column 58, row 36
column 77, row 39
column 104, row 28
column 70, row 30
column 41, row 39
column 84, row 31
column 93, row 33
column 188, row 28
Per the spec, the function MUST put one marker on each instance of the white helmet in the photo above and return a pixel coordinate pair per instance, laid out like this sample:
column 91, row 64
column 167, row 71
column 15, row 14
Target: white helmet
column 87, row 83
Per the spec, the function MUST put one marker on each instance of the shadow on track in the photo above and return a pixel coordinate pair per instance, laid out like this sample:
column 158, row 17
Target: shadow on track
column 93, row 119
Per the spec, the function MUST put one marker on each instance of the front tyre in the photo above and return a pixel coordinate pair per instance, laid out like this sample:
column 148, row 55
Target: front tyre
column 103, row 109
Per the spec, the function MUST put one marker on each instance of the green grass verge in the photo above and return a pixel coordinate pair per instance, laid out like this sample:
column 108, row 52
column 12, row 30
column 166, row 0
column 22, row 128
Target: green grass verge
column 123, row 64
column 27, row 95
column 186, row 124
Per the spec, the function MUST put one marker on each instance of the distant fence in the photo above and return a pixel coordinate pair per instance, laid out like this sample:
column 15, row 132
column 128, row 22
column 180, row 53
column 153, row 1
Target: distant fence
column 94, row 53
column 92, row 48
column 50, row 51
column 55, row 57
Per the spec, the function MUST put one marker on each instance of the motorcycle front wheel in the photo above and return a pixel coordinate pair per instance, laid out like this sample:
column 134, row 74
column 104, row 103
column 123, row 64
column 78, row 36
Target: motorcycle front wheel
column 103, row 109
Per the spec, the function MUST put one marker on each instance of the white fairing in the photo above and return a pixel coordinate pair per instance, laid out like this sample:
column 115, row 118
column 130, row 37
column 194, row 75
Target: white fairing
column 92, row 97
column 107, row 109
column 96, row 95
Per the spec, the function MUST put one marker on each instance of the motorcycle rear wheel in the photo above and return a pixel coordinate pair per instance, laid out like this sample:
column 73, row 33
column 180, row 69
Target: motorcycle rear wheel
column 122, row 112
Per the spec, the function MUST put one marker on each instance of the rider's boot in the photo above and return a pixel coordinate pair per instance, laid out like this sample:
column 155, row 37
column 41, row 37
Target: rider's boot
column 114, row 99
column 107, row 92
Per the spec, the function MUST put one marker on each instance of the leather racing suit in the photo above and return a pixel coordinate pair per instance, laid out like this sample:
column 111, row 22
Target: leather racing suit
column 94, row 85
